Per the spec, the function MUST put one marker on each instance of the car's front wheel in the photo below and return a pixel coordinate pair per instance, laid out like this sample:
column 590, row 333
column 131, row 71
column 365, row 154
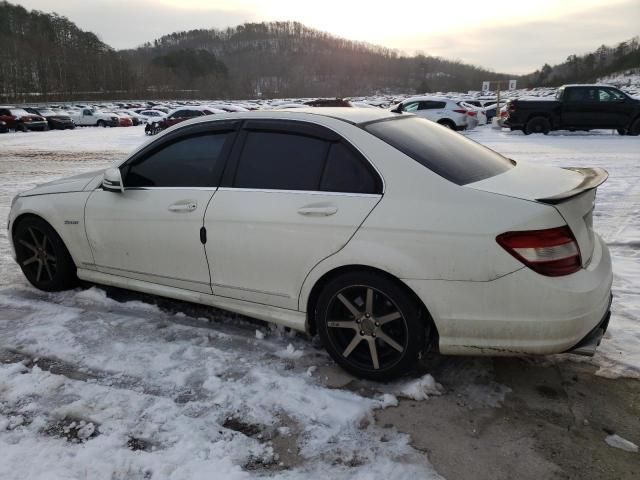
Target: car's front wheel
column 42, row 255
column 370, row 325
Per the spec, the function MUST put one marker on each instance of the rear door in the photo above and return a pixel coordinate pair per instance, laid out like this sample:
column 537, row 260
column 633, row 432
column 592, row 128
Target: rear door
column 431, row 110
column 581, row 108
column 293, row 194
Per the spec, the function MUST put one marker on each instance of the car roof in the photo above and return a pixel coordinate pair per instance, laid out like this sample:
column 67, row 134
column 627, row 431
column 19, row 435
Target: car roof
column 427, row 98
column 352, row 115
column 587, row 85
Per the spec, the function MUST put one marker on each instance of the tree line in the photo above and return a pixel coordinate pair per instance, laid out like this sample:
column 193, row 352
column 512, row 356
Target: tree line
column 46, row 57
column 589, row 67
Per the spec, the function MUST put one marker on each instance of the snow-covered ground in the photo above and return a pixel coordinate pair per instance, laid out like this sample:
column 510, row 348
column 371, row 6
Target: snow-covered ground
column 129, row 386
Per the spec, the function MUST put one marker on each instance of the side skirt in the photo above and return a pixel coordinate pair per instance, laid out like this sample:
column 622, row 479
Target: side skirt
column 281, row 316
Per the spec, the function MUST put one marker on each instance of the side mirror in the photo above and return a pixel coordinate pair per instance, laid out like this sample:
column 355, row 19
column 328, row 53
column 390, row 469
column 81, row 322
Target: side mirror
column 112, row 181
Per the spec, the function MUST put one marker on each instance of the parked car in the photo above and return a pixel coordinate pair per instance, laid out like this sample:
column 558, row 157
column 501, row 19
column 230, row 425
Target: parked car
column 490, row 110
column 151, row 115
column 88, row 116
column 136, row 118
column 577, row 107
column 56, row 120
column 477, row 114
column 177, row 116
column 441, row 110
column 384, row 233
column 124, row 120
column 19, row 119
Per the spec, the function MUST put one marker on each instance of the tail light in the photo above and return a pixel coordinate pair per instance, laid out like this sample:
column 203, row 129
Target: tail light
column 461, row 110
column 553, row 252
column 471, row 113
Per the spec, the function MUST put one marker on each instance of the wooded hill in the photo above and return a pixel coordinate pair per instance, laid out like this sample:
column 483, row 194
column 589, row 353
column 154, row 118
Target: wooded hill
column 46, row 57
column 588, row 68
column 288, row 59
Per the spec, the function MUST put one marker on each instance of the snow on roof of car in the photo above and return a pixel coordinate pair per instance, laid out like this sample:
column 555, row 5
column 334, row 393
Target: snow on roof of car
column 427, row 97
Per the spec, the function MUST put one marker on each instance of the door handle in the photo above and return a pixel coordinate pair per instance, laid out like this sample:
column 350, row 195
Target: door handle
column 183, row 207
column 318, row 211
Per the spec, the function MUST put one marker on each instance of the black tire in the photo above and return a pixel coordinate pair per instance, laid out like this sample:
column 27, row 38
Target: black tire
column 21, row 127
column 101, row 123
column 537, row 125
column 622, row 131
column 42, row 255
column 362, row 313
column 448, row 124
column 634, row 131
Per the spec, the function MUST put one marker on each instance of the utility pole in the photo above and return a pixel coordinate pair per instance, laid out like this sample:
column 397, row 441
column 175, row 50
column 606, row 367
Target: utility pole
column 486, row 86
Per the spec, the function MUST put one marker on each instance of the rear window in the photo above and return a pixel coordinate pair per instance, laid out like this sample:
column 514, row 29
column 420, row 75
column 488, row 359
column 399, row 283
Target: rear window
column 443, row 151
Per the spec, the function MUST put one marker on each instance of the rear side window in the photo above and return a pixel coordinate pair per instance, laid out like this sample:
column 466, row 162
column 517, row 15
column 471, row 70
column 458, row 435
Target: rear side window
column 277, row 160
column 444, row 152
column 431, row 105
column 188, row 162
column 346, row 172
column 281, row 161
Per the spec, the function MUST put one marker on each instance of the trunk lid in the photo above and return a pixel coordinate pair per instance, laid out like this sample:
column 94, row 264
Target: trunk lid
column 571, row 191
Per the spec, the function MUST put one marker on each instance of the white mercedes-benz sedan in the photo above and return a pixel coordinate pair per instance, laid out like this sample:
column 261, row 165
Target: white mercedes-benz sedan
column 384, row 233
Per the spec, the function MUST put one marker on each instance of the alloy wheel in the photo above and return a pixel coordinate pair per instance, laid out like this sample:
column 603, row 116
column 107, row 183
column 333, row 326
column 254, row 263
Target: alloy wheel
column 37, row 256
column 367, row 328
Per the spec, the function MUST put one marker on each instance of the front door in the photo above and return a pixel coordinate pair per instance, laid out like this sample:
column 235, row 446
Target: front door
column 288, row 200
column 151, row 231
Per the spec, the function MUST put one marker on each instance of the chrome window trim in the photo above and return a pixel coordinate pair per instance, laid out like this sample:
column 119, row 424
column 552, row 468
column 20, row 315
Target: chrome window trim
column 210, row 189
column 305, row 192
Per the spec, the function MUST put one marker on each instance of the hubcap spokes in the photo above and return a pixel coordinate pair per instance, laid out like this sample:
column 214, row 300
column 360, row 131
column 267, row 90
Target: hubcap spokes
column 41, row 262
column 366, row 319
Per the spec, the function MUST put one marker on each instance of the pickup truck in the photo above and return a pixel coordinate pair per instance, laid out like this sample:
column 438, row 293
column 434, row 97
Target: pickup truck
column 577, row 107
column 87, row 116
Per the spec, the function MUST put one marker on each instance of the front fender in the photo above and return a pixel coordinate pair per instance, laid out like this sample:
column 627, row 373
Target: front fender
column 65, row 213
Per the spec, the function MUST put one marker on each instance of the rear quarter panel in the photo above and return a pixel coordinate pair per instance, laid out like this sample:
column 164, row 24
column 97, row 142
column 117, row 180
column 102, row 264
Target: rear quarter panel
column 426, row 227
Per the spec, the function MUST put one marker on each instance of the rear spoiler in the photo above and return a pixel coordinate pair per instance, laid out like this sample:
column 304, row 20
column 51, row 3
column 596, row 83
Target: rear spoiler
column 591, row 178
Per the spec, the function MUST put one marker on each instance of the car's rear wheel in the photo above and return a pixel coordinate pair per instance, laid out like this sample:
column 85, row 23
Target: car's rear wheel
column 537, row 125
column 635, row 128
column 370, row 325
column 42, row 255
column 622, row 131
column 448, row 124
column 101, row 123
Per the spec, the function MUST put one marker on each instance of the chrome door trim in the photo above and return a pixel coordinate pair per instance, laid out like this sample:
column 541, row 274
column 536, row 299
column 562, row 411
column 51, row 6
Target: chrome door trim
column 304, row 192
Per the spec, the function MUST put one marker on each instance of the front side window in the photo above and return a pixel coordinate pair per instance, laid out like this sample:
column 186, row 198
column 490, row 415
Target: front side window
column 609, row 95
column 444, row 152
column 410, row 107
column 188, row 162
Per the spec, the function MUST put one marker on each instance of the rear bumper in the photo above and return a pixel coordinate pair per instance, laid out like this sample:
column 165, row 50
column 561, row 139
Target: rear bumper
column 522, row 312
column 587, row 346
column 36, row 126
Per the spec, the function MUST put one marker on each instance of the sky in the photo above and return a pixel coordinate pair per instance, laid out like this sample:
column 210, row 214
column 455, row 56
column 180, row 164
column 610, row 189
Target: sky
column 511, row 36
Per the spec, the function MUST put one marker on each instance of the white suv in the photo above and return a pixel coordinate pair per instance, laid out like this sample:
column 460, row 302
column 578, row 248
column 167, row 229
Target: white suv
column 442, row 110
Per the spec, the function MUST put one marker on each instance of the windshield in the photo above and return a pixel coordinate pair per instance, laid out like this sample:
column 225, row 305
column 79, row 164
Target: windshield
column 443, row 151
column 46, row 112
column 18, row 112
